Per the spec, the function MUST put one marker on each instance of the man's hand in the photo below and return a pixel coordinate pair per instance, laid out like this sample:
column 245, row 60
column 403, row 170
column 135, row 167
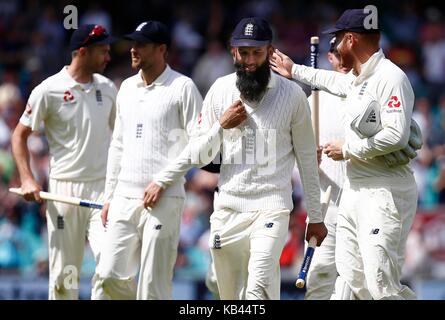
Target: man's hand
column 333, row 150
column 282, row 64
column 152, row 194
column 104, row 214
column 31, row 189
column 317, row 230
column 233, row 116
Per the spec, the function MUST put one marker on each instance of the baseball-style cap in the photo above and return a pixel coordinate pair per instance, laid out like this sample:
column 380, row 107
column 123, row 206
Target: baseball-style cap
column 251, row 32
column 150, row 32
column 352, row 20
column 89, row 34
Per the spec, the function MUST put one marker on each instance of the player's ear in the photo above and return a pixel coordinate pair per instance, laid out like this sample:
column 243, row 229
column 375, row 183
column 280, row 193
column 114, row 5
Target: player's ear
column 330, row 57
column 233, row 51
column 82, row 51
column 163, row 48
column 270, row 50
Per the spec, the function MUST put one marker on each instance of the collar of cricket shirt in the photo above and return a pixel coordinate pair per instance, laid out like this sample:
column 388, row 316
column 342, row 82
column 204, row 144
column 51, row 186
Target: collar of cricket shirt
column 368, row 68
column 160, row 80
column 272, row 81
column 73, row 83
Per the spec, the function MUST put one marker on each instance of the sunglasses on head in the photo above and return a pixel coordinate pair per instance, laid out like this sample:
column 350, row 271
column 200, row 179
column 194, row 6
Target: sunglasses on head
column 98, row 31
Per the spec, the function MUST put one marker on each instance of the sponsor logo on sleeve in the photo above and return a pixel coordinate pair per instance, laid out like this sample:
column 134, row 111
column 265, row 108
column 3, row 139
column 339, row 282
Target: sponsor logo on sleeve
column 28, row 109
column 394, row 105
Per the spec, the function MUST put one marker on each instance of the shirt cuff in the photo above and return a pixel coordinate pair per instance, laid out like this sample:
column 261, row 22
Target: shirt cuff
column 294, row 71
column 345, row 152
column 160, row 184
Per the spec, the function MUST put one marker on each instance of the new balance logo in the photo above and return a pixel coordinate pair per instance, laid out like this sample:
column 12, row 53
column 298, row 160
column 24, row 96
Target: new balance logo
column 371, row 117
column 248, row 30
column 158, row 227
column 375, row 231
column 269, row 225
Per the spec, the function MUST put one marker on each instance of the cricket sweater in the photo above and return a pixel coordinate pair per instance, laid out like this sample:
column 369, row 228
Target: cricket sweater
column 153, row 125
column 259, row 155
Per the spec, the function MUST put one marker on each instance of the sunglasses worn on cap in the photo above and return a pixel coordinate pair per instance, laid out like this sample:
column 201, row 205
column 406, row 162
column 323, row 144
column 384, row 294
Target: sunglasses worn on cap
column 98, row 31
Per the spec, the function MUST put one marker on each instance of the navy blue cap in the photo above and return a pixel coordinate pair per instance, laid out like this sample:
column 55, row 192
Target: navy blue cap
column 150, row 32
column 89, row 34
column 352, row 20
column 251, row 32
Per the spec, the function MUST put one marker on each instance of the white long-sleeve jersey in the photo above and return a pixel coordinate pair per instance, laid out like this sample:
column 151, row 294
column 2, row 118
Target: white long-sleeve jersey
column 332, row 121
column 259, row 155
column 380, row 81
column 153, row 125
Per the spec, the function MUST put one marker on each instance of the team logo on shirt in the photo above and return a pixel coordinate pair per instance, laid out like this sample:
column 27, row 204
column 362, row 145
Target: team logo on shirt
column 68, row 96
column 363, row 88
column 99, row 96
column 139, row 130
column 28, row 109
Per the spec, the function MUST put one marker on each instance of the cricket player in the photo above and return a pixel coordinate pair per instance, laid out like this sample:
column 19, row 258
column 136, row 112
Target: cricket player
column 77, row 109
column 322, row 273
column 252, row 206
column 157, row 111
column 379, row 200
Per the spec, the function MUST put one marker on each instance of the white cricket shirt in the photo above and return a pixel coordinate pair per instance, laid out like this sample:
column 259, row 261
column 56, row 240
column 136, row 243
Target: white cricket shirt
column 77, row 123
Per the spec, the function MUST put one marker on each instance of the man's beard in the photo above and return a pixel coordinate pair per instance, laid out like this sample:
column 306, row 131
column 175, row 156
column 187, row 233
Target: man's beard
column 252, row 85
column 346, row 59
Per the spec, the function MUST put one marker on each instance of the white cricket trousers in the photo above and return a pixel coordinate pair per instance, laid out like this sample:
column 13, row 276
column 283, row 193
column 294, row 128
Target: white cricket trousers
column 374, row 219
column 322, row 272
column 139, row 240
column 246, row 248
column 68, row 228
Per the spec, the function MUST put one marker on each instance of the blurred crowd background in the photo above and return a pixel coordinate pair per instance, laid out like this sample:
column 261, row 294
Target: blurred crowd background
column 33, row 46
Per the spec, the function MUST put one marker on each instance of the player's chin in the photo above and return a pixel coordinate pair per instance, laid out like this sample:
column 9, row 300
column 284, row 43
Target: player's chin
column 135, row 64
column 102, row 68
